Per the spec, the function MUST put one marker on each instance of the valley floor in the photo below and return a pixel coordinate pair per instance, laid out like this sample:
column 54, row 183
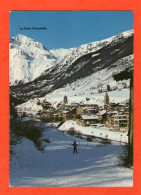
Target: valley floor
column 94, row 164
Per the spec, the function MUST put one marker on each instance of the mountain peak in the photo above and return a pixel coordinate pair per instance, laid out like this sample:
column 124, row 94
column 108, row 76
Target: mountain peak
column 128, row 32
column 23, row 40
column 28, row 58
column 20, row 38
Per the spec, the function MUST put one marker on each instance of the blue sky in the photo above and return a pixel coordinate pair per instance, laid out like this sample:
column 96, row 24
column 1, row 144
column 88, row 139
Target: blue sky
column 67, row 29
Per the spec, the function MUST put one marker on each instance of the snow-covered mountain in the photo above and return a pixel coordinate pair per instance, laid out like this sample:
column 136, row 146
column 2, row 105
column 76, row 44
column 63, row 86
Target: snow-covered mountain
column 91, row 65
column 28, row 59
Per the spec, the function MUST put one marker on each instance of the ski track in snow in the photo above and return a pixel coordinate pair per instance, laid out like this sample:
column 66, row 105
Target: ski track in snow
column 58, row 166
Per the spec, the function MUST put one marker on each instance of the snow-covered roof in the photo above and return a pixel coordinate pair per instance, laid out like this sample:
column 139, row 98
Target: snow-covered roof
column 65, row 111
column 121, row 104
column 88, row 108
column 55, row 114
column 102, row 112
column 49, row 111
column 126, row 112
column 119, row 115
column 88, row 117
column 121, row 119
column 82, row 104
column 72, row 104
column 114, row 113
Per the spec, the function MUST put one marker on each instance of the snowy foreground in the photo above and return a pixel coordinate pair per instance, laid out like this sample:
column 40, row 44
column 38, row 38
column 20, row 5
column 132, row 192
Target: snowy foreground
column 94, row 164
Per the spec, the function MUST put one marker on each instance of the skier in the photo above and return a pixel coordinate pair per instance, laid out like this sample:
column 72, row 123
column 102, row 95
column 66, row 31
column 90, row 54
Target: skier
column 74, row 147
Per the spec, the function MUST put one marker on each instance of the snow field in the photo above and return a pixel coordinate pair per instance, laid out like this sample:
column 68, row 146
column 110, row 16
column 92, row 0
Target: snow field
column 101, row 132
column 58, row 166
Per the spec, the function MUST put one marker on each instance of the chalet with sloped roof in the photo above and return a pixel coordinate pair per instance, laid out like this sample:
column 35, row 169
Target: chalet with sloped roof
column 87, row 119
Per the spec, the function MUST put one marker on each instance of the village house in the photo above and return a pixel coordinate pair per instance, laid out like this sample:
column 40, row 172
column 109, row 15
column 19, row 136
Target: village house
column 68, row 115
column 117, row 120
column 110, row 114
column 59, row 113
column 59, row 105
column 111, row 120
column 48, row 115
column 102, row 116
column 126, row 108
column 121, row 121
column 46, row 105
column 87, row 119
column 126, row 114
column 87, row 109
column 70, row 106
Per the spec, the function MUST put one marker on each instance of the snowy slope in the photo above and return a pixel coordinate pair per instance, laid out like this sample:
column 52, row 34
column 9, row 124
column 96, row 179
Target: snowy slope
column 72, row 54
column 57, row 166
column 89, row 86
column 61, row 53
column 28, row 59
column 101, row 132
column 116, row 96
column 91, row 64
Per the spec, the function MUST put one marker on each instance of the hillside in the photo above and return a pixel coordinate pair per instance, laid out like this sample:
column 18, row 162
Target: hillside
column 93, row 63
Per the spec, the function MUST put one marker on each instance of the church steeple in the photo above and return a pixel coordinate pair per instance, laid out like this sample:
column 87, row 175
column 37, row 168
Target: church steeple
column 65, row 101
column 106, row 99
